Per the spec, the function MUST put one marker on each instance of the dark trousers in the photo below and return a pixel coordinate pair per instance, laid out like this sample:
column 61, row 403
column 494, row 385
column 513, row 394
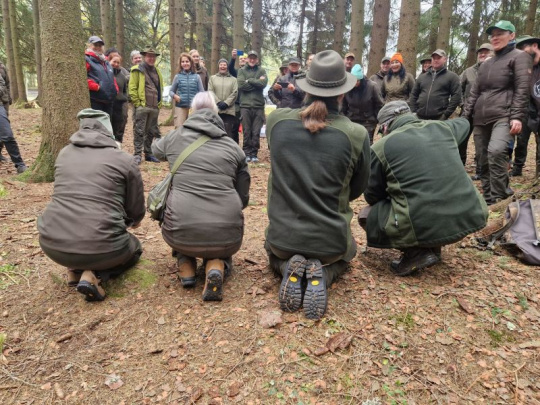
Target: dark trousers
column 520, row 153
column 235, row 132
column 230, row 122
column 105, row 107
column 119, row 120
column 105, row 265
column 146, row 129
column 252, row 123
column 7, row 138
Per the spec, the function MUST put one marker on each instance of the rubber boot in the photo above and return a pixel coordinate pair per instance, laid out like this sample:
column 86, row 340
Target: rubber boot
column 90, row 287
column 213, row 285
column 186, row 271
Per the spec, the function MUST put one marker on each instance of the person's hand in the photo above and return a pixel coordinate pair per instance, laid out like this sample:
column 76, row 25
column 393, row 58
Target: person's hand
column 234, row 53
column 515, row 127
column 277, row 87
column 176, row 98
column 262, row 77
column 290, row 87
column 222, row 105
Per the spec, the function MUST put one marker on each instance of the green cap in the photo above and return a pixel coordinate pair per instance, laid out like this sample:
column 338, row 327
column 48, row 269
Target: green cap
column 502, row 25
column 425, row 58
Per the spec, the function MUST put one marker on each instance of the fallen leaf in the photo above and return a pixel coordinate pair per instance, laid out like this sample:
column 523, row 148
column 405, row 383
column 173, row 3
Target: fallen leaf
column 434, row 380
column 529, row 345
column 161, row 321
column 113, row 381
column 321, row 350
column 340, row 340
column 234, row 389
column 58, row 391
column 465, row 305
column 444, row 339
column 196, row 394
column 47, row 386
column 270, row 319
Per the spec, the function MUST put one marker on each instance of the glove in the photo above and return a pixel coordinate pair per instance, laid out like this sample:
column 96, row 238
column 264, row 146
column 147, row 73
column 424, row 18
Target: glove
column 222, row 105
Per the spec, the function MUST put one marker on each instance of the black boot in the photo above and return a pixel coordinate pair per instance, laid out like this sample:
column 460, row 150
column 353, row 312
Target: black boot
column 414, row 259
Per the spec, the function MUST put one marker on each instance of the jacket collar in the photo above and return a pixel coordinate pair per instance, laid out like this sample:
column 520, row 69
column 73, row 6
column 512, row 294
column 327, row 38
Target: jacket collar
column 403, row 119
column 508, row 48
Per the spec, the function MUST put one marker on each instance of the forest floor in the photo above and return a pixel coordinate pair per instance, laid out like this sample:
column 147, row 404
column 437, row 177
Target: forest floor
column 466, row 331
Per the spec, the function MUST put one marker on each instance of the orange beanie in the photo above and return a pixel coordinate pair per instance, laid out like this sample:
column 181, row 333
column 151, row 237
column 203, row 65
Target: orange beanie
column 397, row 56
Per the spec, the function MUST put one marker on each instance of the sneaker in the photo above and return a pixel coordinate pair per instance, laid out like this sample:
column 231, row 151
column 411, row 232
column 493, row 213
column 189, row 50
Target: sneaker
column 254, row 159
column 137, row 159
column 151, row 158
column 21, row 169
column 316, row 295
column 90, row 287
column 248, row 159
column 414, row 259
column 291, row 292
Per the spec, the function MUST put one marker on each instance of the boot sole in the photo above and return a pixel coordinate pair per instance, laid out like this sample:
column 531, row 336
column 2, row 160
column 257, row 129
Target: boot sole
column 290, row 291
column 213, row 289
column 316, row 296
column 188, row 282
column 424, row 264
column 90, row 291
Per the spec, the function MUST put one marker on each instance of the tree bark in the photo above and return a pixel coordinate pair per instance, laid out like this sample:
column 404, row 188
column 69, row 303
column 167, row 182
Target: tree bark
column 434, row 25
column 408, row 33
column 37, row 45
column 299, row 44
column 444, row 25
column 529, row 22
column 105, row 10
column 356, row 45
column 120, row 36
column 339, row 26
column 473, row 36
column 217, row 29
column 172, row 39
column 65, row 90
column 21, row 87
column 315, row 26
column 201, row 18
column 379, row 34
column 179, row 27
column 9, row 50
column 238, row 24
column 256, row 24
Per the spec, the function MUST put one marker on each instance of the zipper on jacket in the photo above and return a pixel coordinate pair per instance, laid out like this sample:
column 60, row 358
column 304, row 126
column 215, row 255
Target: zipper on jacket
column 427, row 101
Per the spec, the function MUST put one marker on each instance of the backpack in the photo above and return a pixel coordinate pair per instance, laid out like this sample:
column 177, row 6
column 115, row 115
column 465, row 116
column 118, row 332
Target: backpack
column 520, row 232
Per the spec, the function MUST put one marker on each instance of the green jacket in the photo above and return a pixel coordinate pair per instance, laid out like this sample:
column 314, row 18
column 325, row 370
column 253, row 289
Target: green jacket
column 251, row 86
column 418, row 189
column 136, row 87
column 313, row 177
column 224, row 88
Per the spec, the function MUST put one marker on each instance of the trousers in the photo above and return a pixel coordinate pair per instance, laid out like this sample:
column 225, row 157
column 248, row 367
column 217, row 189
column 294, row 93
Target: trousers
column 7, row 138
column 146, row 129
column 252, row 123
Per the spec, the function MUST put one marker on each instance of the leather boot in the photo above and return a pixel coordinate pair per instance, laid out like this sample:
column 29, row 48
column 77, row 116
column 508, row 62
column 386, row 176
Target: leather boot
column 73, row 277
column 90, row 287
column 186, row 271
column 213, row 285
column 414, row 259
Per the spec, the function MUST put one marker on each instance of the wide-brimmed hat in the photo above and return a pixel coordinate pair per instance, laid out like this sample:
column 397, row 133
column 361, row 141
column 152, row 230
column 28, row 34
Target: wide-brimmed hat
column 149, row 51
column 326, row 76
column 502, row 25
column 487, row 46
column 527, row 39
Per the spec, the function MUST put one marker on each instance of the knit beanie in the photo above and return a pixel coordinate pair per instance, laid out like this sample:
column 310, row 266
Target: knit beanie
column 222, row 60
column 358, row 72
column 397, row 56
column 101, row 116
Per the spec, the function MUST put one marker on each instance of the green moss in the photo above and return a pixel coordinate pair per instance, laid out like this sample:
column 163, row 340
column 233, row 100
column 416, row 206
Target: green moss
column 59, row 281
column 138, row 278
column 3, row 191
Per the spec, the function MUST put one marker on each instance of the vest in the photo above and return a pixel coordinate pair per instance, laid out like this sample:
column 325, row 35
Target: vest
column 102, row 74
column 188, row 87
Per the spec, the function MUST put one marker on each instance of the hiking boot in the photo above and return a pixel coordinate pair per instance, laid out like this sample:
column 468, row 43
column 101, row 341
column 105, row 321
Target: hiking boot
column 151, row 158
column 186, row 271
column 90, row 287
column 137, row 159
column 516, row 171
column 21, row 168
column 291, row 292
column 3, row 158
column 73, row 277
column 316, row 295
column 213, row 285
column 437, row 252
column 414, row 259
column 254, row 159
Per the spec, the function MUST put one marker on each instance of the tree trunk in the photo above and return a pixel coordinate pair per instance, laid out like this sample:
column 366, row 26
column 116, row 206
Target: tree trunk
column 105, row 9
column 120, row 36
column 37, row 45
column 179, row 28
column 529, row 22
column 201, row 18
column 408, row 33
column 434, row 25
column 339, row 26
column 444, row 25
column 357, row 29
column 9, row 50
column 315, row 26
column 172, row 39
column 217, row 29
column 379, row 35
column 238, row 25
column 299, row 44
column 21, row 88
column 473, row 33
column 256, row 24
column 65, row 91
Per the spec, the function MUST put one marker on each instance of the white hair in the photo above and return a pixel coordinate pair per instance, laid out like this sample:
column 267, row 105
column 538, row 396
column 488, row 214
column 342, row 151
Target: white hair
column 202, row 100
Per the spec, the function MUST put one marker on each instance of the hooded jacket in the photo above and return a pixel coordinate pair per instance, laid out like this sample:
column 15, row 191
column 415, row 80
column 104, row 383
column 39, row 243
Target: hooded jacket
column 98, row 193
column 210, row 188
column 378, row 79
column 418, row 189
column 501, row 90
column 101, row 80
column 225, row 88
column 362, row 104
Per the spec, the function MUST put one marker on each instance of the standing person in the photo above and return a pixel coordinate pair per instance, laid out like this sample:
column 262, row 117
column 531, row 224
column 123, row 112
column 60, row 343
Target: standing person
column 224, row 87
column 119, row 116
column 252, row 80
column 185, row 86
column 283, row 70
column 203, row 216
column 378, row 77
column 349, row 60
column 468, row 77
column 100, row 76
column 199, row 68
column 234, row 73
column 6, row 100
column 363, row 102
column 98, row 195
column 531, row 46
column 145, row 88
column 7, row 138
column 241, row 62
column 425, row 64
column 309, row 60
column 397, row 84
column 135, row 57
column 290, row 96
column 436, row 93
column 320, row 162
column 498, row 106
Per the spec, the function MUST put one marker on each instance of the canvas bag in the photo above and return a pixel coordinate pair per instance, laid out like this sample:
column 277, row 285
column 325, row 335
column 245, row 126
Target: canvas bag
column 157, row 197
column 520, row 232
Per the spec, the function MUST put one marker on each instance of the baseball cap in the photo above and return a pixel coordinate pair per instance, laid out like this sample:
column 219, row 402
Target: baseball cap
column 350, row 55
column 385, row 59
column 502, row 25
column 253, row 53
column 439, row 52
column 294, row 60
column 94, row 39
column 487, row 46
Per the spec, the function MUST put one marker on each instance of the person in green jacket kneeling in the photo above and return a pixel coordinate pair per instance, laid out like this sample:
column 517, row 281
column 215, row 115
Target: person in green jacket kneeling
column 420, row 197
column 320, row 162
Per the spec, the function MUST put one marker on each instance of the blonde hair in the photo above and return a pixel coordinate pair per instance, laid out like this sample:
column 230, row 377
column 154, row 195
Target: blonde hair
column 202, row 100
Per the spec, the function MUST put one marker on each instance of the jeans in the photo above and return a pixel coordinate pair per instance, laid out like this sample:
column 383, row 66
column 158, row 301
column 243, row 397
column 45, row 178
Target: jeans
column 7, row 138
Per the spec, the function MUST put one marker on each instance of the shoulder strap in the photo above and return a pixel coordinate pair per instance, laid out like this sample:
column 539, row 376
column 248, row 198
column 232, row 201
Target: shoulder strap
column 186, row 152
column 514, row 214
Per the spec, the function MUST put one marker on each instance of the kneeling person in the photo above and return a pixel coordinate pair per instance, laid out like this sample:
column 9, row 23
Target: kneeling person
column 419, row 194
column 98, row 194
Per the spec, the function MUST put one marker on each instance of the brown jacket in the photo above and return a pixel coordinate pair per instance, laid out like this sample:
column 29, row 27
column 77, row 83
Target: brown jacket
column 501, row 90
column 396, row 89
column 98, row 194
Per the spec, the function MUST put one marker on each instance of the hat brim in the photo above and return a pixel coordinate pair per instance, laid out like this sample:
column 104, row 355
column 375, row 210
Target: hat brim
column 150, row 53
column 490, row 29
column 529, row 41
column 425, row 60
column 328, row 91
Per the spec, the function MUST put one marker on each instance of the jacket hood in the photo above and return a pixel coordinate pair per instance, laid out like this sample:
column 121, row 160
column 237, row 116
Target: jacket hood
column 206, row 122
column 92, row 54
column 92, row 133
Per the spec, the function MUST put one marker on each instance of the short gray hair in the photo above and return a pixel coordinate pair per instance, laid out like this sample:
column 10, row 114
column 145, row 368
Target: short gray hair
column 204, row 99
column 133, row 53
